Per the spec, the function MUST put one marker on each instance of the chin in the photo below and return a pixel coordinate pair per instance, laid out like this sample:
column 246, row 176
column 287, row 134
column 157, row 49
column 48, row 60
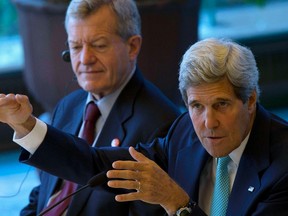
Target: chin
column 89, row 86
column 216, row 153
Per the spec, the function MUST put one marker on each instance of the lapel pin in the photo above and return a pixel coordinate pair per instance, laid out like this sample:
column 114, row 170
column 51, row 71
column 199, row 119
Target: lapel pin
column 115, row 142
column 251, row 189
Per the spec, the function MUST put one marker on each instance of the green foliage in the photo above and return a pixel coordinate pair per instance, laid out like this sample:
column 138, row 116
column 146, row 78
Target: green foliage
column 257, row 2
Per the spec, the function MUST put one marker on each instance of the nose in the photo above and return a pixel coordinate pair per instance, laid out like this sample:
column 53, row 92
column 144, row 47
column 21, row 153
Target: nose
column 87, row 55
column 211, row 121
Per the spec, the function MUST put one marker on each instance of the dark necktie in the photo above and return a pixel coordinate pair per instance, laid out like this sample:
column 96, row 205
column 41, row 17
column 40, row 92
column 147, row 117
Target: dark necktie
column 92, row 113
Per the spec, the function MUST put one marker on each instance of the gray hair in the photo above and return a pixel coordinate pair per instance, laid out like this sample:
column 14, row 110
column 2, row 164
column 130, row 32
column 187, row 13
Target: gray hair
column 211, row 60
column 129, row 22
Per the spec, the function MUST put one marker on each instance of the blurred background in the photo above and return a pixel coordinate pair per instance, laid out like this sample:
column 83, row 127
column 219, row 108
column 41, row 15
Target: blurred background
column 32, row 38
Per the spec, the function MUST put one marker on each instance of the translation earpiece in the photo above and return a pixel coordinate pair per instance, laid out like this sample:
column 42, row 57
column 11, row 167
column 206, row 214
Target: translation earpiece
column 66, row 55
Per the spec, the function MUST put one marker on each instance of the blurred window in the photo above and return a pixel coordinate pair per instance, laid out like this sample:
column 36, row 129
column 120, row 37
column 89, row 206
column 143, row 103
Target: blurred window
column 243, row 19
column 236, row 19
column 11, row 51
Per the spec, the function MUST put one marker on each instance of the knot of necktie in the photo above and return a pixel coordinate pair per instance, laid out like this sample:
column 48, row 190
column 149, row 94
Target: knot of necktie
column 92, row 112
column 223, row 163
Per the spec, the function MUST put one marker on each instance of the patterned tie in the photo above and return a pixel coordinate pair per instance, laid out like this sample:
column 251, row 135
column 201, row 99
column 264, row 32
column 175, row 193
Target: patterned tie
column 91, row 115
column 221, row 189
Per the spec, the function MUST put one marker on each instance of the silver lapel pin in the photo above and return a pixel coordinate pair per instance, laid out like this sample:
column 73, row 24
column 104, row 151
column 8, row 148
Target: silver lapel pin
column 251, row 189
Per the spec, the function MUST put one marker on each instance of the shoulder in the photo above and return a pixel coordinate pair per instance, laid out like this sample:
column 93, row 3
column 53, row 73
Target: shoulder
column 150, row 95
column 70, row 105
column 182, row 129
column 271, row 127
column 72, row 98
column 145, row 98
column 268, row 142
column 78, row 94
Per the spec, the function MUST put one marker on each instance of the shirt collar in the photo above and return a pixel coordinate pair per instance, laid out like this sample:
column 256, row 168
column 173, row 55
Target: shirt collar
column 236, row 154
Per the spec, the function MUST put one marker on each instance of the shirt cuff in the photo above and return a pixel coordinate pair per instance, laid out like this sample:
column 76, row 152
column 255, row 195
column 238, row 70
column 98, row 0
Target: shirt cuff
column 33, row 140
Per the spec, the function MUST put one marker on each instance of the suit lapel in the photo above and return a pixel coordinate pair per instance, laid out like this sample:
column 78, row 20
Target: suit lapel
column 53, row 183
column 113, row 128
column 188, row 167
column 73, row 120
column 248, row 183
column 122, row 110
column 254, row 160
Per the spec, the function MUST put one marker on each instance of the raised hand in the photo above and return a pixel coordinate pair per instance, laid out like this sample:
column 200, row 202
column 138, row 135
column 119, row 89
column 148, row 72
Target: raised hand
column 151, row 183
column 16, row 111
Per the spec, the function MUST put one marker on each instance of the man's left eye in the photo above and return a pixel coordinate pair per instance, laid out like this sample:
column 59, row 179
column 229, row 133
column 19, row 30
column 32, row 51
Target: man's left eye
column 223, row 104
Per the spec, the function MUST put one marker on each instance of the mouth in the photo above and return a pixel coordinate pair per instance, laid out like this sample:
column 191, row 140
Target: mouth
column 92, row 71
column 213, row 139
column 91, row 74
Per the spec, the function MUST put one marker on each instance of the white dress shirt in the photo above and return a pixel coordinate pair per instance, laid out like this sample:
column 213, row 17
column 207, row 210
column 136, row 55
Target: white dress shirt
column 207, row 178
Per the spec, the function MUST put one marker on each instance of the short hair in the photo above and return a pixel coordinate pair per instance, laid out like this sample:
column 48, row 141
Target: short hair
column 211, row 60
column 128, row 18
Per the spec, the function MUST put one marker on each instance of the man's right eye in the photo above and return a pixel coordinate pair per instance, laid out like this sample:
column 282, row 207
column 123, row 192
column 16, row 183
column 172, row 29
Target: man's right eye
column 196, row 106
column 75, row 47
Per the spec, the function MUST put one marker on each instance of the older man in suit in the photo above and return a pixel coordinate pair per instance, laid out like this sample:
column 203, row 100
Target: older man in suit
column 104, row 39
column 219, row 83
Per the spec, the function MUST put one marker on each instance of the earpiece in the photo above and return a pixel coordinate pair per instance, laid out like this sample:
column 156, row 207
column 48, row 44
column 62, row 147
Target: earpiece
column 66, row 55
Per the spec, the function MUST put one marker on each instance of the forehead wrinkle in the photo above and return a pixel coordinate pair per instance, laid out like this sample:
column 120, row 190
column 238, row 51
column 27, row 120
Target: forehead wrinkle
column 208, row 95
column 88, row 40
column 219, row 90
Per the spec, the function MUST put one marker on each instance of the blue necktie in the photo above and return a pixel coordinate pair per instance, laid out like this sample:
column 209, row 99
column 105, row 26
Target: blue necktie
column 221, row 189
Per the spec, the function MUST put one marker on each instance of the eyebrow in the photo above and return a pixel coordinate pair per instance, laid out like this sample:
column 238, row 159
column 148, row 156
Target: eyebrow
column 216, row 100
column 71, row 42
column 91, row 41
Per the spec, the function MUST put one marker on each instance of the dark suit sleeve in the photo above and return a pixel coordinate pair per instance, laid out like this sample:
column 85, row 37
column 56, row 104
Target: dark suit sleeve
column 83, row 162
column 31, row 208
column 71, row 158
column 197, row 211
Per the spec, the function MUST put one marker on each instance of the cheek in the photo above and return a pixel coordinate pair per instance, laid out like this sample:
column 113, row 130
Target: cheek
column 197, row 123
column 74, row 65
column 237, row 129
column 243, row 126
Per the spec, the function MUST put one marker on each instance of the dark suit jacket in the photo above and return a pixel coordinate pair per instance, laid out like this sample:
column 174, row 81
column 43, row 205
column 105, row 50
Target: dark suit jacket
column 261, row 183
column 140, row 113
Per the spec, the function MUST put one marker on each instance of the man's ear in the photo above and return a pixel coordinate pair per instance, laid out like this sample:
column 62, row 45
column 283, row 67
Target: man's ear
column 252, row 101
column 134, row 43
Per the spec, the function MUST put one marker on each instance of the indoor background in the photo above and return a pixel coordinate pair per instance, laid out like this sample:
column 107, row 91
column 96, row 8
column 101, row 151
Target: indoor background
column 32, row 38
